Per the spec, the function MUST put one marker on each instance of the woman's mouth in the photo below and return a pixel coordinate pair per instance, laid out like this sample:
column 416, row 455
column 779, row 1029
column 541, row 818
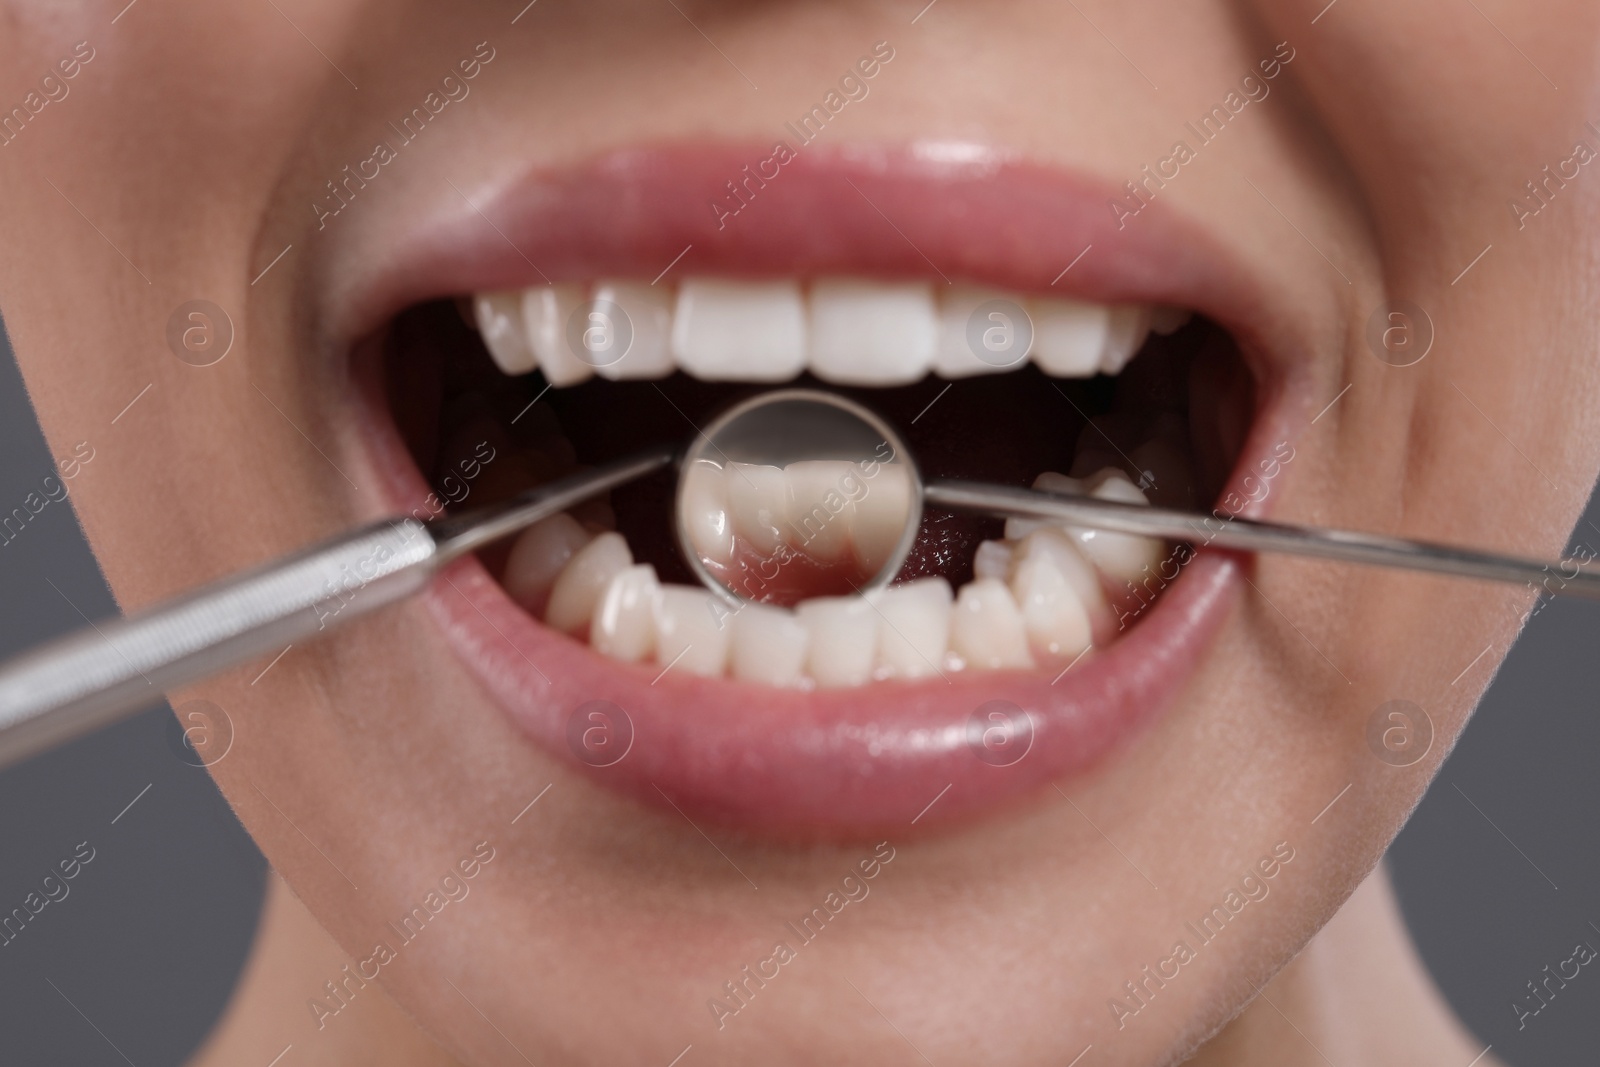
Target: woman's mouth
column 1007, row 654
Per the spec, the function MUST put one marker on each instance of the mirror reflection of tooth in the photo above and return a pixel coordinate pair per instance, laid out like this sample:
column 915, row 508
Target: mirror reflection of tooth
column 987, row 629
column 992, row 559
column 576, row 592
column 649, row 311
column 500, row 324
column 821, row 505
column 691, row 631
column 864, row 332
column 624, row 625
column 1058, row 593
column 1130, row 325
column 703, row 505
column 538, row 556
column 843, row 638
column 768, row 645
column 1120, row 556
column 881, row 515
column 914, row 629
column 758, row 499
column 1069, row 336
column 545, row 310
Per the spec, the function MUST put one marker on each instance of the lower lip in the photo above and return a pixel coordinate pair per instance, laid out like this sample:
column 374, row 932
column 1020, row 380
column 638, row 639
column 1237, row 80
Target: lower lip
column 831, row 763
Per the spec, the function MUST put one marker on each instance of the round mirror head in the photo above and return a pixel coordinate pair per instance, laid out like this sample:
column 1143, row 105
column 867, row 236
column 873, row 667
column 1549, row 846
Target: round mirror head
column 797, row 494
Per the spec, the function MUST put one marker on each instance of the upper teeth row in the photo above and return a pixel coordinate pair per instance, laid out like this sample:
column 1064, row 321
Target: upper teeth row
column 849, row 331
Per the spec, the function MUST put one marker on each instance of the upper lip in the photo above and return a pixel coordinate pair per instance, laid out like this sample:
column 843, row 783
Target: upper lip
column 839, row 762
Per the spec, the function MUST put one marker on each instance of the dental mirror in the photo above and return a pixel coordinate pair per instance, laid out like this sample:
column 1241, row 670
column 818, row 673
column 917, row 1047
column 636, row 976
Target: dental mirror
column 796, row 494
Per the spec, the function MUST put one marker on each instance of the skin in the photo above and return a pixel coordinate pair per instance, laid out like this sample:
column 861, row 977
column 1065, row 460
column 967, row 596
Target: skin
column 184, row 160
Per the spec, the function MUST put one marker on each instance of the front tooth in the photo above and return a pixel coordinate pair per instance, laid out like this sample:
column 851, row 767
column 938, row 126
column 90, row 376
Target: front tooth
column 703, row 510
column 1118, row 555
column 538, row 556
column 768, row 645
column 954, row 357
column 577, row 591
column 758, row 498
column 1051, row 482
column 1049, row 582
column 820, row 511
column 987, row 630
column 546, row 310
column 915, row 628
column 1130, row 325
column 691, row 630
column 881, row 515
column 843, row 638
column 739, row 331
column 871, row 333
column 499, row 320
column 624, row 624
column 1069, row 336
column 649, row 311
column 993, row 560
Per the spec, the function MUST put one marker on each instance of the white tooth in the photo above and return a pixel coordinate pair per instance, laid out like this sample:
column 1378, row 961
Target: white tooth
column 624, row 624
column 703, row 510
column 649, row 311
column 1164, row 468
column 1053, row 585
column 1069, row 336
column 954, row 357
column 986, row 628
column 692, row 630
column 768, row 645
column 871, row 333
column 1169, row 320
column 881, row 515
column 739, row 331
column 577, row 590
column 914, row 630
column 1130, row 325
column 1117, row 555
column 1050, row 481
column 993, row 560
column 499, row 320
column 820, row 509
column 538, row 556
column 758, row 498
column 843, row 640
column 545, row 311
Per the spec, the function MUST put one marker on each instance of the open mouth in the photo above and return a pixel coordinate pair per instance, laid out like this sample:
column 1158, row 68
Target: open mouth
column 814, row 708
column 1101, row 406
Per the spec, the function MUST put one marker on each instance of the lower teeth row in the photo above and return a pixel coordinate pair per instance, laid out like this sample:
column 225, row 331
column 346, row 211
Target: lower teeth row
column 1041, row 596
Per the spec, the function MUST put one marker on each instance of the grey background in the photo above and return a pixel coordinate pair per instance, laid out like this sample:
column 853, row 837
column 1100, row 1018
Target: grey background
column 138, row 960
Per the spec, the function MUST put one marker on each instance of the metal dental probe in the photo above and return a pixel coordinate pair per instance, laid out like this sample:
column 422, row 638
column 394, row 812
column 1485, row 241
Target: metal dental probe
column 112, row 670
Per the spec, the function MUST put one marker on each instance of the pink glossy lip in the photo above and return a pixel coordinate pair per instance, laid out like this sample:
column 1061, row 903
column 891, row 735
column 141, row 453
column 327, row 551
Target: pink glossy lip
column 841, row 762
